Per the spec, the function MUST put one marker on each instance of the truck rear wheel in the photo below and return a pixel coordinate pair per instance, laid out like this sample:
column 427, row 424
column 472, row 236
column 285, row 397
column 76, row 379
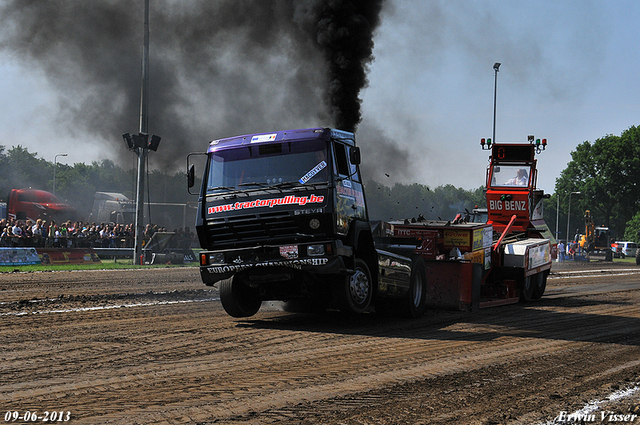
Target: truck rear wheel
column 353, row 293
column 236, row 299
column 416, row 299
column 540, row 285
column 527, row 287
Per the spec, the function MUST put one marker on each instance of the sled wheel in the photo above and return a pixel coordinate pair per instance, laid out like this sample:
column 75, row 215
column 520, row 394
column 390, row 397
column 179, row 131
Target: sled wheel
column 540, row 280
column 416, row 298
column 527, row 288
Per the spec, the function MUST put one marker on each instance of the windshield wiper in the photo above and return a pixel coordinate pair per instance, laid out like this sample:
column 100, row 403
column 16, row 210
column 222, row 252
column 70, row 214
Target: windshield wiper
column 220, row 188
column 286, row 184
column 252, row 184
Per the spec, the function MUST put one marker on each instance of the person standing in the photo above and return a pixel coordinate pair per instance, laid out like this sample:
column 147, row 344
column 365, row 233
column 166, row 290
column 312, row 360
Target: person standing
column 51, row 234
column 560, row 252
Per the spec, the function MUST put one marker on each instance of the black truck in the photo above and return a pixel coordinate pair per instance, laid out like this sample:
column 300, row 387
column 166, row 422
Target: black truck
column 283, row 216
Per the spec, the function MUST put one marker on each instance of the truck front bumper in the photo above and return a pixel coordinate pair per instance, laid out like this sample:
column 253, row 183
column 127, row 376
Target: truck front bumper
column 265, row 260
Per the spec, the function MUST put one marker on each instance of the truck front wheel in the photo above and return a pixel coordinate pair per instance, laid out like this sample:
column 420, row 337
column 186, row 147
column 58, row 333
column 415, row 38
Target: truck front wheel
column 236, row 299
column 353, row 293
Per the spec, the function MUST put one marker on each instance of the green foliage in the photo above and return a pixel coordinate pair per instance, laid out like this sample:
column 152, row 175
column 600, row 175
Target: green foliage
column 632, row 229
column 550, row 214
column 605, row 173
column 19, row 166
column 410, row 200
column 78, row 184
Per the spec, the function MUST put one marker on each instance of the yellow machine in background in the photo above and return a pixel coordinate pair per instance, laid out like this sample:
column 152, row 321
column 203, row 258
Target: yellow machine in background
column 595, row 238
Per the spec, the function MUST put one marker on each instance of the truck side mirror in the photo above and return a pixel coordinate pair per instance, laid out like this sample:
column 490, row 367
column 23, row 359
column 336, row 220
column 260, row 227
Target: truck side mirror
column 354, row 155
column 191, row 172
column 191, row 176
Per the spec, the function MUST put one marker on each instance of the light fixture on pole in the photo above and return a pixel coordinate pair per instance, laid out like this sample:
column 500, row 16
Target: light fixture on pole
column 569, row 213
column 142, row 142
column 557, row 213
column 55, row 165
column 496, row 68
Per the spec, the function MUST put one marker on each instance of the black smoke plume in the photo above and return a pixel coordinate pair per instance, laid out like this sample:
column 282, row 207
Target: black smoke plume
column 217, row 68
column 345, row 35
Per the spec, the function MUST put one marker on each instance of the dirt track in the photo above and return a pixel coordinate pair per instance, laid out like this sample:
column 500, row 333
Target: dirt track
column 155, row 346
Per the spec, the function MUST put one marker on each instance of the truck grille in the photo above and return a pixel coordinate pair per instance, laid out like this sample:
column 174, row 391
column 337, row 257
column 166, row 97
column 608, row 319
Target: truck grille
column 251, row 228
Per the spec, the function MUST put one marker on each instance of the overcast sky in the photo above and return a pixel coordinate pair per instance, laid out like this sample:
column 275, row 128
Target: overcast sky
column 569, row 73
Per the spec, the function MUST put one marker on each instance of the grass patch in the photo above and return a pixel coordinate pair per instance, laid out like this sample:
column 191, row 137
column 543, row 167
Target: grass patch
column 630, row 260
column 103, row 265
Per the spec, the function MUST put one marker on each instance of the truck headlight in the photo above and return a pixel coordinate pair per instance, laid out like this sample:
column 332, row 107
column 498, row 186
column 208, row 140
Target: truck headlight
column 313, row 250
column 216, row 258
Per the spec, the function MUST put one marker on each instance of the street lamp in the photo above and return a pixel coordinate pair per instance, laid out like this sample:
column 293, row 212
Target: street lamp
column 142, row 142
column 557, row 212
column 55, row 165
column 569, row 213
column 496, row 68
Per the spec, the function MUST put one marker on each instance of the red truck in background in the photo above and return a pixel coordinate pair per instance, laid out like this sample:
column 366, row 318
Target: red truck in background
column 32, row 204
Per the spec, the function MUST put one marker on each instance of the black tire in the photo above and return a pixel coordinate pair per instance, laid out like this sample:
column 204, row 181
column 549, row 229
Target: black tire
column 608, row 255
column 353, row 293
column 540, row 280
column 236, row 299
column 526, row 288
column 416, row 301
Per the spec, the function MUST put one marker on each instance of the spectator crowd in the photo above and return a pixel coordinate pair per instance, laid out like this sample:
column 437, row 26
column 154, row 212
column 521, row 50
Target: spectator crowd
column 77, row 234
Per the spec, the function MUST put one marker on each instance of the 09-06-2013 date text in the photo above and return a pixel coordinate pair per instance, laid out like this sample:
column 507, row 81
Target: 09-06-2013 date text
column 46, row 416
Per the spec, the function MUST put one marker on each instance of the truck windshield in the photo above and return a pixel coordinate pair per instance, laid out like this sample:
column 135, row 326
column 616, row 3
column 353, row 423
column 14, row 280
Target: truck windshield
column 265, row 165
column 510, row 176
column 40, row 197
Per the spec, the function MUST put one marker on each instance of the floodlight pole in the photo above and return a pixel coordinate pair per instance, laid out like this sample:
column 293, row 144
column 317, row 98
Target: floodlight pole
column 569, row 213
column 55, row 165
column 496, row 68
column 142, row 151
column 557, row 212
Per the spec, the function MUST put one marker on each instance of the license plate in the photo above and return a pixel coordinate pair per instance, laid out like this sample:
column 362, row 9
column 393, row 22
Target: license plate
column 289, row 251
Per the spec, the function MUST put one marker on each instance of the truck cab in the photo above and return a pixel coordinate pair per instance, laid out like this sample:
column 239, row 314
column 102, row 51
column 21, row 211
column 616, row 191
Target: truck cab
column 511, row 188
column 282, row 215
column 32, row 204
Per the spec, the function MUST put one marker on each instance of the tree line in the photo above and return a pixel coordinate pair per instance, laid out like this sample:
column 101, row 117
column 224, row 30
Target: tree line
column 604, row 178
column 407, row 201
column 601, row 177
column 77, row 184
